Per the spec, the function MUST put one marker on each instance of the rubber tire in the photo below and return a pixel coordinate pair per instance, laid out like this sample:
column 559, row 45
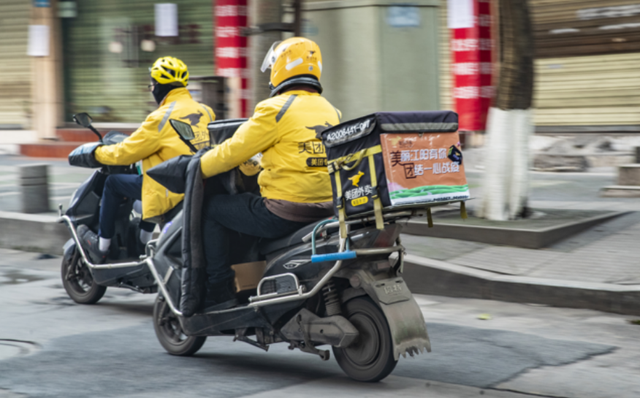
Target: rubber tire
column 77, row 293
column 368, row 318
column 166, row 334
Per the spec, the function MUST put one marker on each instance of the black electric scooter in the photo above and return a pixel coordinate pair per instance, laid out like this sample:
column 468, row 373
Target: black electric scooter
column 316, row 289
column 84, row 281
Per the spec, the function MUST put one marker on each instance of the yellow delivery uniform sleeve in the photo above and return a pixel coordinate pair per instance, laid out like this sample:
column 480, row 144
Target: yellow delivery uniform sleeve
column 284, row 129
column 155, row 142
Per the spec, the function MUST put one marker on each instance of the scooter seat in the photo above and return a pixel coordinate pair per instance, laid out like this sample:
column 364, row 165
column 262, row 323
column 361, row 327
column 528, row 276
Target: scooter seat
column 267, row 246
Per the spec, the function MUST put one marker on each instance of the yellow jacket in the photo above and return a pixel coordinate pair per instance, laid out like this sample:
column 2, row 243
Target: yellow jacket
column 294, row 160
column 156, row 141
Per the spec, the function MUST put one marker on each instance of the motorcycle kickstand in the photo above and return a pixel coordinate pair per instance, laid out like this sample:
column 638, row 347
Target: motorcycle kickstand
column 240, row 336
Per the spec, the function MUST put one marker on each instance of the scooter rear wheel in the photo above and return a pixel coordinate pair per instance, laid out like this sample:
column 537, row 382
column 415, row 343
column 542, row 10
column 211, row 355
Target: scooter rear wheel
column 370, row 357
column 169, row 331
column 78, row 281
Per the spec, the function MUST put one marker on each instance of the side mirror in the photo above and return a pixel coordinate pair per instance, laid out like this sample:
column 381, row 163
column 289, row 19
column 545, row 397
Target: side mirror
column 185, row 132
column 83, row 119
column 183, row 129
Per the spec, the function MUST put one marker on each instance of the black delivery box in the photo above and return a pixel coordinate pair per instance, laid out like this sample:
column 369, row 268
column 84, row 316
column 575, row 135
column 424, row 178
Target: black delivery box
column 392, row 160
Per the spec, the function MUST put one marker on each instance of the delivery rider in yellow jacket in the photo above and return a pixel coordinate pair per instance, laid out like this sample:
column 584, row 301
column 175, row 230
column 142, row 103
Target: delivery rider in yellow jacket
column 151, row 144
column 294, row 183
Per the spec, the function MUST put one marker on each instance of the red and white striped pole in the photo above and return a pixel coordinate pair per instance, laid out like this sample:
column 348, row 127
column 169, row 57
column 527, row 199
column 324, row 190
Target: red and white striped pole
column 471, row 47
column 231, row 52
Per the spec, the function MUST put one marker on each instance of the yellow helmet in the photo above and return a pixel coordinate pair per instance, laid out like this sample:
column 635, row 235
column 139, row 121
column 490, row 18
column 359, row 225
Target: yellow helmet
column 297, row 58
column 167, row 70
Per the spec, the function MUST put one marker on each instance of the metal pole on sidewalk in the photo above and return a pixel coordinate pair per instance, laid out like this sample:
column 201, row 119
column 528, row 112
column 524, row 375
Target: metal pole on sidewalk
column 297, row 18
column 34, row 188
column 262, row 12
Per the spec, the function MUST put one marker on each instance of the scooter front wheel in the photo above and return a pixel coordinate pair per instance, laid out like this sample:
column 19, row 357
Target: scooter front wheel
column 169, row 331
column 78, row 281
column 370, row 357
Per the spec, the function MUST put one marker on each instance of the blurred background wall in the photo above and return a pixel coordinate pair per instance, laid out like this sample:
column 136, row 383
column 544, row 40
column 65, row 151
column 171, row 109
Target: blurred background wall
column 15, row 95
column 378, row 56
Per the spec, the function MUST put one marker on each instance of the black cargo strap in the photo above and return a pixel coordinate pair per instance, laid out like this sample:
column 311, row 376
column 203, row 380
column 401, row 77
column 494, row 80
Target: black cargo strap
column 343, row 164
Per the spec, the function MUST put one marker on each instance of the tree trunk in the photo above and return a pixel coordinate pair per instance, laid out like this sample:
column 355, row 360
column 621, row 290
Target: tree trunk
column 509, row 127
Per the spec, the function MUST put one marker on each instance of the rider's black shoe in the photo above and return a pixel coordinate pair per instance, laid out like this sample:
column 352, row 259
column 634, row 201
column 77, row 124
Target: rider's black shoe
column 90, row 243
column 220, row 296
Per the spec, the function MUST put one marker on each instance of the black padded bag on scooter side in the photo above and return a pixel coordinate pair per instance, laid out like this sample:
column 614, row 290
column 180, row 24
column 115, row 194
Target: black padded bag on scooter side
column 171, row 173
column 356, row 158
column 193, row 268
column 219, row 132
column 193, row 272
column 222, row 130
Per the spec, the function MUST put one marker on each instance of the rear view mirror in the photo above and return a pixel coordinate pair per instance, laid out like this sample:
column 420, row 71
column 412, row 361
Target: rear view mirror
column 183, row 129
column 83, row 119
column 185, row 132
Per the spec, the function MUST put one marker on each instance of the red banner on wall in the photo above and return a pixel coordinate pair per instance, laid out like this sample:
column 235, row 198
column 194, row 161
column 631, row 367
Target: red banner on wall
column 471, row 47
column 231, row 47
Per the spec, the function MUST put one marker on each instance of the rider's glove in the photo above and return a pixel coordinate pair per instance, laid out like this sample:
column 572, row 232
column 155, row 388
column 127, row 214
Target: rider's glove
column 83, row 156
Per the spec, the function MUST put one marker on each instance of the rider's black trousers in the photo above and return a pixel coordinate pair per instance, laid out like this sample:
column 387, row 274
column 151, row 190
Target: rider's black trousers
column 228, row 220
column 116, row 188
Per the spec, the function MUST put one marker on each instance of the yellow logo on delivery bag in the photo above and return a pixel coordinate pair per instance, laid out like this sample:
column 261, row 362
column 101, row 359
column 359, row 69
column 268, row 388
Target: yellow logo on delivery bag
column 355, row 180
column 359, row 201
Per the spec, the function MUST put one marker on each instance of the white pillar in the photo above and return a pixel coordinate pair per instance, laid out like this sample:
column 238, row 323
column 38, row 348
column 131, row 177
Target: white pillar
column 47, row 87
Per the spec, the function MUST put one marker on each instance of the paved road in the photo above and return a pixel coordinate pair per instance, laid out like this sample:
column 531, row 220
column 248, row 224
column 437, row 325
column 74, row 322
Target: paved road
column 51, row 347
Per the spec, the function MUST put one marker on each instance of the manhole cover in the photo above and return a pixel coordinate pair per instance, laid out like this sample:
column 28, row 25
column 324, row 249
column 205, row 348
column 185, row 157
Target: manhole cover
column 10, row 348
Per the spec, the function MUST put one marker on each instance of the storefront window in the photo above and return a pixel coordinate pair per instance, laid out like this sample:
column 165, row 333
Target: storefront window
column 109, row 47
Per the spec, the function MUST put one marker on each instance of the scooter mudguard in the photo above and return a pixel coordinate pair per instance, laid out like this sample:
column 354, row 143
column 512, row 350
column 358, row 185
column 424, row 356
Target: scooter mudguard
column 407, row 326
column 406, row 323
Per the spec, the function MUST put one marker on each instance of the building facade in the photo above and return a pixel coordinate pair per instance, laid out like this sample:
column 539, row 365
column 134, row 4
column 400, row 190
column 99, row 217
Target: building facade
column 15, row 95
column 587, row 65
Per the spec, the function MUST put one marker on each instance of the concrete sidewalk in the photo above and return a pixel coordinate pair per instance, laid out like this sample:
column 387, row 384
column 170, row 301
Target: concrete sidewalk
column 598, row 268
